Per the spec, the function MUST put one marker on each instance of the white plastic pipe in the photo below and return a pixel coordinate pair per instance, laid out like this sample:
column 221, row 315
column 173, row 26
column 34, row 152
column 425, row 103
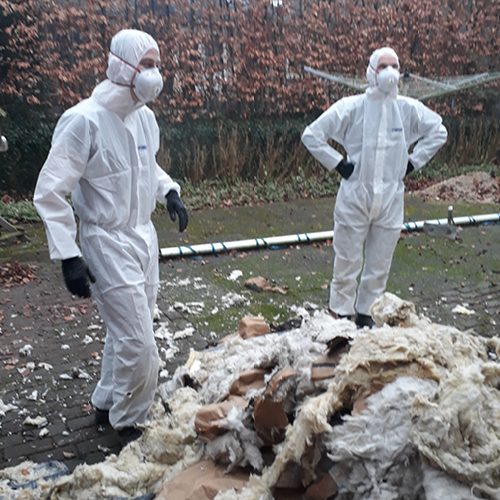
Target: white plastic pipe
column 458, row 221
column 219, row 247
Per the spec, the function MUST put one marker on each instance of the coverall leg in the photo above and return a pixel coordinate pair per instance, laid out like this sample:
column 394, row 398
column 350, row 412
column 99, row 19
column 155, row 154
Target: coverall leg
column 379, row 248
column 125, row 293
column 348, row 247
column 130, row 364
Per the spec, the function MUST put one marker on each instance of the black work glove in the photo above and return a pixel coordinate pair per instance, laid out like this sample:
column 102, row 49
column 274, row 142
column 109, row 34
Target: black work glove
column 77, row 275
column 174, row 204
column 410, row 168
column 345, row 169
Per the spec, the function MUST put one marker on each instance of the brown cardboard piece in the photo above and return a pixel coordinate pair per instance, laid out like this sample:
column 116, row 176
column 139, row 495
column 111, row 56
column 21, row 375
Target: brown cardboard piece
column 291, row 476
column 324, row 366
column 277, row 378
column 210, row 417
column 325, row 488
column 250, row 326
column 253, row 326
column 251, row 379
column 270, row 419
column 288, row 494
column 202, row 481
column 260, row 284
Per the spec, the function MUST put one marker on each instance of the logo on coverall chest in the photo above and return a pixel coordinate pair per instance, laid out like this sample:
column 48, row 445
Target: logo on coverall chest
column 143, row 153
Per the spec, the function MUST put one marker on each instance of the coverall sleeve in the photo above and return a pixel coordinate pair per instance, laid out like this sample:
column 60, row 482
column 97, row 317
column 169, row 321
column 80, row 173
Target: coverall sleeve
column 430, row 133
column 331, row 124
column 60, row 174
column 165, row 182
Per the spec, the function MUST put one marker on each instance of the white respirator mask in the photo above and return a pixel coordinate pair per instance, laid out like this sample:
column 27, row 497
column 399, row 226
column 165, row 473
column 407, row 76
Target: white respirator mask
column 387, row 79
column 148, row 84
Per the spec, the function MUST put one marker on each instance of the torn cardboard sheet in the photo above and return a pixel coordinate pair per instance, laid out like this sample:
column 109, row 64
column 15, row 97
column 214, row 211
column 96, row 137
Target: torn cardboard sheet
column 209, row 418
column 324, row 366
column 249, row 380
column 202, row 481
column 260, row 284
column 270, row 409
column 251, row 326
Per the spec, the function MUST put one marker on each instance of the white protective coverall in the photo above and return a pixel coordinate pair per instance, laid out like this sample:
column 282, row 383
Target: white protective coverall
column 376, row 130
column 103, row 153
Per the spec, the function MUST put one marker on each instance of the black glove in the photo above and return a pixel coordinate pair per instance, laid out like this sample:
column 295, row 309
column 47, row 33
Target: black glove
column 174, row 204
column 409, row 169
column 77, row 275
column 345, row 169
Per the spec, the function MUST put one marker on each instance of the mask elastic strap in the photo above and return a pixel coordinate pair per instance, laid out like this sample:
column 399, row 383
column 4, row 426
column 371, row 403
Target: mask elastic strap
column 126, row 62
column 132, row 86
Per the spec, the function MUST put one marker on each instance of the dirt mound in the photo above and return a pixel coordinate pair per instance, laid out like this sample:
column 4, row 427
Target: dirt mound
column 477, row 187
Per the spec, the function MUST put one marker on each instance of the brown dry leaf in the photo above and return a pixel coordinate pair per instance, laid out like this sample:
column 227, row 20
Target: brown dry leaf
column 86, row 408
column 69, row 318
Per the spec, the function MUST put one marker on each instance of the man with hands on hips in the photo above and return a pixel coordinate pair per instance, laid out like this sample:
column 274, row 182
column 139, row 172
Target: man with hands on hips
column 376, row 130
column 104, row 153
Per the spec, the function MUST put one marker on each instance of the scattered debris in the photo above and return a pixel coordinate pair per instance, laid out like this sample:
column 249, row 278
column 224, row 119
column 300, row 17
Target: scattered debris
column 183, row 334
column 393, row 311
column 235, row 275
column 4, row 408
column 157, row 313
column 260, row 284
column 33, row 396
column 462, row 310
column 26, row 350
column 37, row 421
column 390, row 404
column 232, row 299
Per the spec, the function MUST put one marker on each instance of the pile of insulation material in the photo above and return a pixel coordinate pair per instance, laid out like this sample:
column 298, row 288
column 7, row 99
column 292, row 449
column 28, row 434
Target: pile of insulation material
column 407, row 410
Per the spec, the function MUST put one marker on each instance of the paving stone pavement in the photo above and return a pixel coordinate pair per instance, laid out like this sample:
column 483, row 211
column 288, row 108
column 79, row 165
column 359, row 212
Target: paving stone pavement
column 51, row 343
column 50, row 347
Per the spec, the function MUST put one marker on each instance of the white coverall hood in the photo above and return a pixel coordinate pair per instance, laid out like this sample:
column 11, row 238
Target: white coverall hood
column 115, row 93
column 130, row 46
column 371, row 74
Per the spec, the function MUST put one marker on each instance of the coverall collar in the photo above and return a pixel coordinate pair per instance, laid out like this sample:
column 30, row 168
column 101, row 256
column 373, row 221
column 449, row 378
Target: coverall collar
column 115, row 98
